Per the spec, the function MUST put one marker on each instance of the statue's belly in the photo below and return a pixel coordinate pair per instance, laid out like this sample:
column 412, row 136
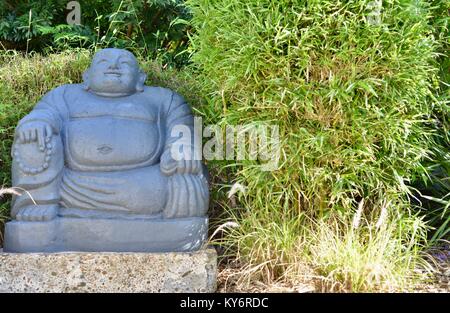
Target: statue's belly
column 111, row 143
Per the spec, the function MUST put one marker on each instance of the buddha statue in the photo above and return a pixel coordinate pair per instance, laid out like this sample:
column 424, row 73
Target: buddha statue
column 102, row 151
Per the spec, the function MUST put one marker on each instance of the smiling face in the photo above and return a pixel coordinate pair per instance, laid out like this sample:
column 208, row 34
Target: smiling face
column 114, row 72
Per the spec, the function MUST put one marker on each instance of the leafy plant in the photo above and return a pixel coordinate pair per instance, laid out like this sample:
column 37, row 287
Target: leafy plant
column 146, row 27
column 434, row 189
column 352, row 92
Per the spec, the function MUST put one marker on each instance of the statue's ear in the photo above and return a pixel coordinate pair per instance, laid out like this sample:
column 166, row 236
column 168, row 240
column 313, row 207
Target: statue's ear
column 141, row 81
column 86, row 80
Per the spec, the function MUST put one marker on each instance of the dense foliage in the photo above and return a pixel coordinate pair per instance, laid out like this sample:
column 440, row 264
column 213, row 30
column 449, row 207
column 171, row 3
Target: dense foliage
column 352, row 86
column 147, row 27
column 434, row 192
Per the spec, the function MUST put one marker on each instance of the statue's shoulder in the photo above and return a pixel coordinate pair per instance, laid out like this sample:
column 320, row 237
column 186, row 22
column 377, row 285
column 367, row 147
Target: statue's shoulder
column 162, row 94
column 63, row 90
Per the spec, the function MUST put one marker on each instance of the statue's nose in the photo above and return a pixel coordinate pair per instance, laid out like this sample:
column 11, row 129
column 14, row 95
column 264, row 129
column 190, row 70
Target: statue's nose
column 114, row 65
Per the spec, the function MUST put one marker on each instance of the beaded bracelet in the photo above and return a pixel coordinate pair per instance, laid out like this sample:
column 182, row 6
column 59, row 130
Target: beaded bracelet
column 34, row 170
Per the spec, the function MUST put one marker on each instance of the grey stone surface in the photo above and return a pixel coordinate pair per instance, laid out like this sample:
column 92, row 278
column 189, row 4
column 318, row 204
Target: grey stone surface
column 108, row 272
column 109, row 148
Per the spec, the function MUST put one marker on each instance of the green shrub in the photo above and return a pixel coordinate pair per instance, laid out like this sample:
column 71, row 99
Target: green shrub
column 147, row 27
column 436, row 194
column 352, row 94
column 433, row 196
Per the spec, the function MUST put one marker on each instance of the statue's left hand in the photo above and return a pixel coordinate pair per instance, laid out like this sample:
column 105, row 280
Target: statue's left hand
column 169, row 166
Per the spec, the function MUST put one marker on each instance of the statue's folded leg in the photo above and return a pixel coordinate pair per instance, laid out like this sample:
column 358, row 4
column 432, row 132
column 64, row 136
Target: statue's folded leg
column 132, row 193
column 37, row 175
column 137, row 193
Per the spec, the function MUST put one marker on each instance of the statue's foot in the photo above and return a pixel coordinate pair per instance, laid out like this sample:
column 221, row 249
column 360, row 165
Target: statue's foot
column 35, row 213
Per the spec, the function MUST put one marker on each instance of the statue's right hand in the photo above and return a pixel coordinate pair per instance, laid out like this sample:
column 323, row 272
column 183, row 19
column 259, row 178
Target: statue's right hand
column 39, row 131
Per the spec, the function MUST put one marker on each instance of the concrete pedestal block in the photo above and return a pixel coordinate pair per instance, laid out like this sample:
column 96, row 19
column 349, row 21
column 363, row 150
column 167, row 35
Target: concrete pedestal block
column 109, row 272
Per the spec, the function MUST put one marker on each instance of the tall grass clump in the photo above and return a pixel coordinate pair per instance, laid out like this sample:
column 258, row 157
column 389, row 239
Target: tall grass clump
column 385, row 257
column 351, row 86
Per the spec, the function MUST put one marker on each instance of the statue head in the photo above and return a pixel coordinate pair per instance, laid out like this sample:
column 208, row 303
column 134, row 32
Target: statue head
column 114, row 73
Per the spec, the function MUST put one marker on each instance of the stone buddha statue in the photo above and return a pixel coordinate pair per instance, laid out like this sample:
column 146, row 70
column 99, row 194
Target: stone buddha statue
column 99, row 156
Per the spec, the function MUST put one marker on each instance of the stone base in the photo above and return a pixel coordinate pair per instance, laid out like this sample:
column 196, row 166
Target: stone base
column 106, row 235
column 108, row 272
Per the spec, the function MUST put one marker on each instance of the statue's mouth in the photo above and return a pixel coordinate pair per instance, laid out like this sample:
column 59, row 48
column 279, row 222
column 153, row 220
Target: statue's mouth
column 113, row 73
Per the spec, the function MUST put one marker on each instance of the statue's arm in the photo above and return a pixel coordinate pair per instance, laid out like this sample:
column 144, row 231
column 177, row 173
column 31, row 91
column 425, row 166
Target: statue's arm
column 179, row 122
column 44, row 120
column 188, row 192
column 50, row 109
